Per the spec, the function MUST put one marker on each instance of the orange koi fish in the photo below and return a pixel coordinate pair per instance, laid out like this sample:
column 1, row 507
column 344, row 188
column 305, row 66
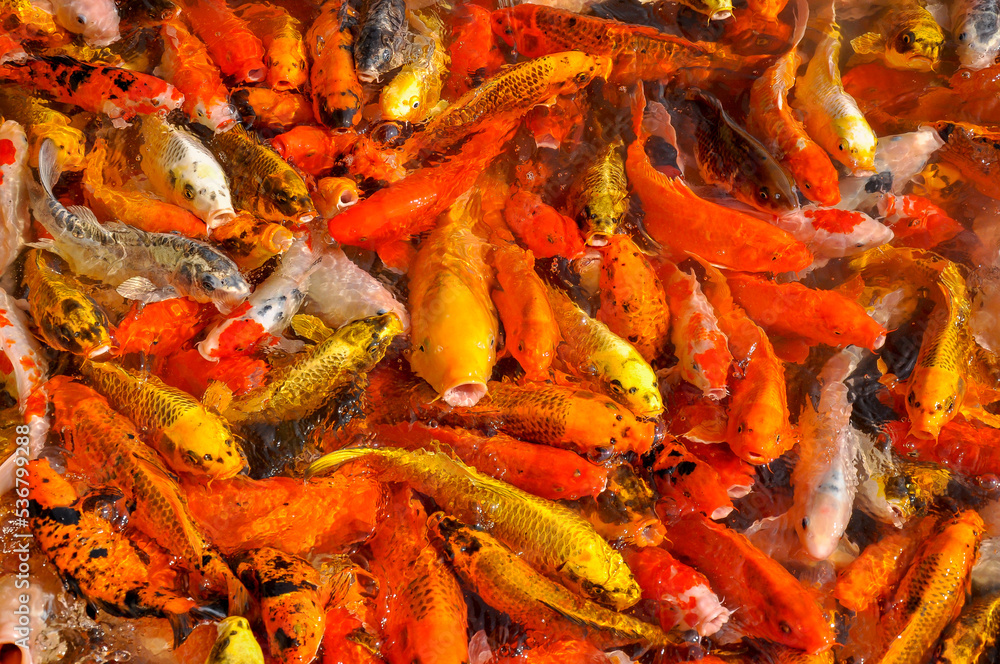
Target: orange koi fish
column 413, row 204
column 539, row 226
column 637, row 52
column 687, row 485
column 633, row 301
column 683, row 596
column 233, row 46
column 773, row 604
column 420, row 603
column 336, row 90
column 187, row 65
column 472, row 49
column 699, row 344
column 116, row 92
column 547, row 472
column 718, row 234
column 187, row 370
column 772, row 120
column 964, row 446
column 530, row 326
column 104, row 442
column 333, row 195
column 933, row 590
column 290, row 604
column 161, row 328
column 917, row 222
column 284, row 48
column 821, row 317
column 101, row 564
column 277, row 111
column 134, row 208
column 736, row 475
column 313, row 150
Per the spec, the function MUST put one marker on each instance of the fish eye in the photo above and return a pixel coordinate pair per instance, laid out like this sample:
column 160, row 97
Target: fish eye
column 416, row 104
column 281, row 197
column 907, row 38
column 842, row 146
column 807, row 185
column 784, row 627
column 581, row 78
column 81, row 19
column 189, row 192
column 763, row 194
column 962, row 37
column 209, row 283
column 386, row 55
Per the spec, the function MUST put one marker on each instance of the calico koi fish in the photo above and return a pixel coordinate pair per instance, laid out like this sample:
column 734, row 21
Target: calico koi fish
column 336, row 90
column 553, row 538
column 974, row 25
column 834, row 233
column 100, row 563
column 284, row 48
column 687, row 484
column 230, row 42
column 918, row 222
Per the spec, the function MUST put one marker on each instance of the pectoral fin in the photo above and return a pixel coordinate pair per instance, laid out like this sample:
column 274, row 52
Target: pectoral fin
column 868, row 43
column 144, row 290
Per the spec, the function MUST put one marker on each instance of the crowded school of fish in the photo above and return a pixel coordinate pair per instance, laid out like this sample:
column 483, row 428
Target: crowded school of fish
column 462, row 332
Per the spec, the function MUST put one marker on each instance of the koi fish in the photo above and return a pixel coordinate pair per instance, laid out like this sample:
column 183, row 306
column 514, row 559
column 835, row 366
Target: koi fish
column 539, row 226
column 190, row 437
column 313, row 150
column 700, row 346
column 633, row 301
column 260, row 180
column 972, row 633
column 509, row 584
column 96, row 20
column 682, row 594
column 905, row 37
column 284, row 48
column 603, row 195
column 336, row 90
column 41, row 122
column 230, row 42
column 381, row 38
column 181, row 266
column 187, row 65
column 687, row 484
column 119, row 93
column 288, row 588
column 420, row 605
column 833, row 232
column 335, row 194
column 632, row 520
column 273, row 109
column 774, row 605
column 184, row 172
column 14, row 200
column 553, row 538
column 472, row 49
column 772, row 121
column 450, row 289
column 161, row 328
column 68, row 318
column 251, row 242
column 235, row 643
column 544, row 471
column 414, row 94
column 101, row 564
column 917, row 222
column 104, row 442
column 974, row 25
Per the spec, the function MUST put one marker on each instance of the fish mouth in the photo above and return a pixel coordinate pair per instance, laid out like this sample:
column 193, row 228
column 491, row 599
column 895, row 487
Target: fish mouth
column 255, row 75
column 217, row 218
column 368, row 76
column 100, row 350
column 466, row 394
column 721, row 15
column 597, row 240
column 347, row 198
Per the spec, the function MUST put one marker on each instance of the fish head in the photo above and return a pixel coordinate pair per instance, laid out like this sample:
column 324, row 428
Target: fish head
column 77, row 327
column 219, row 115
column 285, row 193
column 96, row 20
column 334, row 195
column 68, row 141
column 606, row 579
column 825, row 517
column 815, row 174
column 757, row 432
column 978, row 39
column 457, row 541
column 286, row 66
column 206, row 276
column 404, row 99
column 915, row 44
column 207, row 448
column 373, row 56
column 201, row 187
column 856, row 145
column 373, row 334
column 933, row 399
column 577, row 69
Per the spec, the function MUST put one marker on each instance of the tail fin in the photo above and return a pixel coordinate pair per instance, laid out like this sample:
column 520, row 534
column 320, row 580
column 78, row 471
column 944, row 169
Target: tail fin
column 638, row 109
column 48, row 170
column 181, row 624
column 336, row 459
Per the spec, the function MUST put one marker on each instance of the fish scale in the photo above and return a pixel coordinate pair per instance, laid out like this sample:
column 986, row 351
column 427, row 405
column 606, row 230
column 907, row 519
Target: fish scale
column 976, row 630
column 553, row 538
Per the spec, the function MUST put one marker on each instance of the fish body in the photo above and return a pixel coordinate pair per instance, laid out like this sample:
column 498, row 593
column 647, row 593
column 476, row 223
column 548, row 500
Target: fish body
column 41, row 122
column 509, row 584
column 733, row 159
column 116, row 92
column 637, row 52
column 834, row 233
column 100, row 563
column 288, row 588
column 450, row 290
column 540, row 227
column 340, row 292
column 179, row 265
column 906, row 36
column 235, row 643
column 106, row 443
column 472, row 49
column 96, row 20
column 184, row 172
column 420, row 602
column 975, row 24
column 553, row 538
column 603, row 195
column 414, row 94
column 336, row 90
column 260, row 180
column 975, row 631
column 832, row 117
column 633, row 301
column 596, row 353
column 273, row 109
column 382, row 36
column 15, row 205
column 932, row 591
column 230, row 42
column 187, row 65
column 190, row 437
column 825, row 480
column 314, row 150
column 68, row 318
column 284, row 47
column 510, row 94
column 313, row 379
column 687, row 484
column 773, row 121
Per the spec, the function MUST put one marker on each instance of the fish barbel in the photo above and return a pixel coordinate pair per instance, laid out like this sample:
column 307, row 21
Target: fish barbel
column 553, row 538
